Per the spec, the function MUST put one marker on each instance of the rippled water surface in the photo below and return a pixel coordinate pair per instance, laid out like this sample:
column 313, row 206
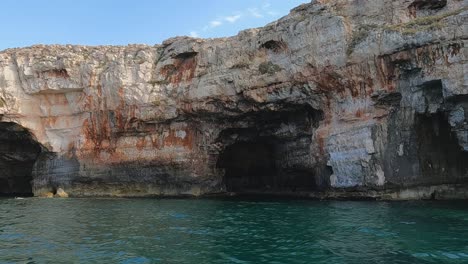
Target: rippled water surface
column 37, row 230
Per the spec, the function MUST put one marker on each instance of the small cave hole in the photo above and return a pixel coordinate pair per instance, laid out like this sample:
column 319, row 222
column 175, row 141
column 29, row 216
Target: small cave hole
column 428, row 4
column 425, row 7
column 273, row 45
column 185, row 55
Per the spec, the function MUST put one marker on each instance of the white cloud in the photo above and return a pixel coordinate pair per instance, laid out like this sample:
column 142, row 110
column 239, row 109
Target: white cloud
column 232, row 19
column 255, row 12
column 273, row 13
column 215, row 23
column 261, row 11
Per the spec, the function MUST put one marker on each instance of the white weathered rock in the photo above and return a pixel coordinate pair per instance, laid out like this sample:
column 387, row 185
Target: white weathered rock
column 61, row 193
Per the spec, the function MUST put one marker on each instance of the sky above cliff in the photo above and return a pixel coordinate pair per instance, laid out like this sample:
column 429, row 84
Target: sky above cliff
column 119, row 22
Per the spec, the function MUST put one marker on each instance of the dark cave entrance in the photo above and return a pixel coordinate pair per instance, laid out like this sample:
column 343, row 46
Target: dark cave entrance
column 261, row 166
column 440, row 156
column 18, row 153
column 269, row 152
column 249, row 166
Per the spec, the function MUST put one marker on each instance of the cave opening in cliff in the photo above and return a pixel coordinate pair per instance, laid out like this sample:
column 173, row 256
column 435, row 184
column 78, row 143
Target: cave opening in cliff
column 18, row 153
column 441, row 158
column 261, row 165
column 270, row 153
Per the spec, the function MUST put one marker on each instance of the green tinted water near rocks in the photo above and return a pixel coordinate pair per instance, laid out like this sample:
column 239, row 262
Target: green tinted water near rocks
column 231, row 231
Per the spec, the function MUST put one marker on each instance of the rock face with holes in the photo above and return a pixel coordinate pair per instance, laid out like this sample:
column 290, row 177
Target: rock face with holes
column 341, row 98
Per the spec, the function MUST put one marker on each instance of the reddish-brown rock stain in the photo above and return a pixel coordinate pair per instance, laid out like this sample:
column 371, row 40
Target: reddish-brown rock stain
column 97, row 129
column 183, row 70
column 321, row 136
column 390, row 67
column 141, row 143
column 103, row 129
column 49, row 121
column 173, row 140
column 119, row 117
column 359, row 113
column 354, row 81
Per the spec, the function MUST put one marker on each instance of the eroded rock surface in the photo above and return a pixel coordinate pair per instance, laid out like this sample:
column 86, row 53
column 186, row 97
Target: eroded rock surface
column 341, row 98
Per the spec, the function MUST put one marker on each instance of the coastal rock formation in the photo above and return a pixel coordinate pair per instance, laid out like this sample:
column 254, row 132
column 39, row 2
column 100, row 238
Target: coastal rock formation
column 340, row 98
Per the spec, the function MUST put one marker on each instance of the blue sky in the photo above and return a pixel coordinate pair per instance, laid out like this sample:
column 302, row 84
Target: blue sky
column 119, row 22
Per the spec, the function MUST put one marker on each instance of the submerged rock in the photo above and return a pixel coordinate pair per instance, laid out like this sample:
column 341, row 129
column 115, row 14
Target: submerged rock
column 337, row 99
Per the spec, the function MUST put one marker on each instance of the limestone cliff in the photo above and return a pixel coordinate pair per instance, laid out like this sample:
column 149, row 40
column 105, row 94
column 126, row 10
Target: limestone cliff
column 341, row 98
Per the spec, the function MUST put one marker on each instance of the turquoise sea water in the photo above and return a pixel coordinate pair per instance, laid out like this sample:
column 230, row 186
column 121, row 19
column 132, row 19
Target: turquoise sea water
column 37, row 230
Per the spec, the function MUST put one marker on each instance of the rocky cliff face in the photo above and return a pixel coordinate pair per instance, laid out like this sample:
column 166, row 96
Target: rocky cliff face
column 341, row 98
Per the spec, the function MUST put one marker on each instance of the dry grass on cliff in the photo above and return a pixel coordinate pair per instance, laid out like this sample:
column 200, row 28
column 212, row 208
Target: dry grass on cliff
column 424, row 23
column 414, row 26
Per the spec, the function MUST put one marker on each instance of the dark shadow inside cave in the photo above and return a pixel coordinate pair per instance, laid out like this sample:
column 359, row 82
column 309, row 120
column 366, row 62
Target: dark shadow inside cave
column 255, row 167
column 249, row 166
column 440, row 155
column 441, row 158
column 18, row 153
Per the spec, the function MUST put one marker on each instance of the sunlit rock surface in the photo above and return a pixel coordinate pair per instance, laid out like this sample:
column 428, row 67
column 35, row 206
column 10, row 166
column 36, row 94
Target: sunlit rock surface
column 341, row 98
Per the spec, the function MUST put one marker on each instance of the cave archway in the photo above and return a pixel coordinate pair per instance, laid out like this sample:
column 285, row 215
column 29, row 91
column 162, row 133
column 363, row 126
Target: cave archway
column 269, row 152
column 441, row 157
column 18, row 153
